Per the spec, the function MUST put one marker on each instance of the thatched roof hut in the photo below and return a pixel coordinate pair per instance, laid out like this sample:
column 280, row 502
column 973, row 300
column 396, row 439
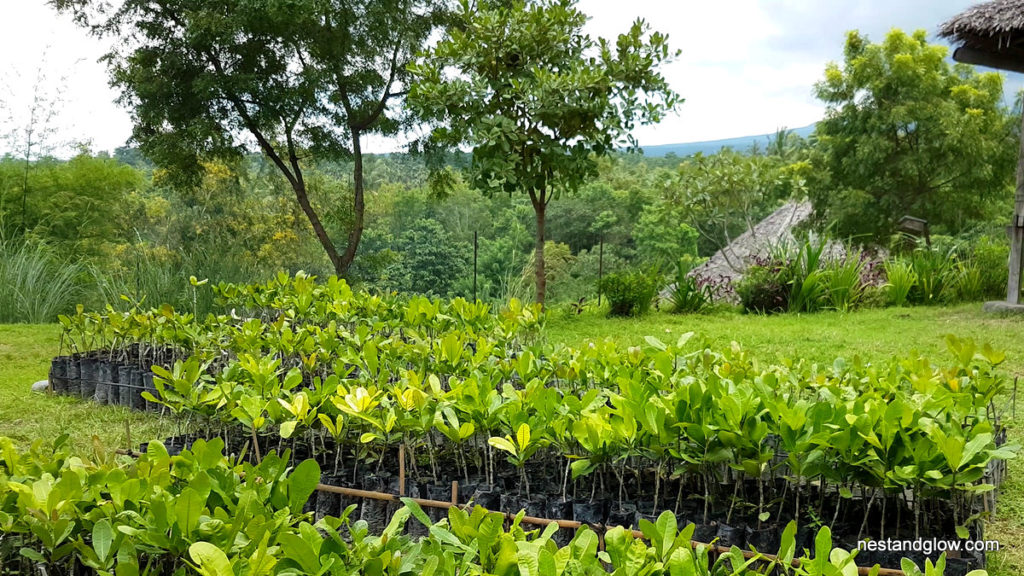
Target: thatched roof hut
column 992, row 34
column 989, row 34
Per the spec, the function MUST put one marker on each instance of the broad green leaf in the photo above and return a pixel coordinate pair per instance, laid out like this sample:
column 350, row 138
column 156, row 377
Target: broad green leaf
column 302, row 482
column 523, row 436
column 187, row 508
column 503, row 444
column 102, row 539
column 210, row 559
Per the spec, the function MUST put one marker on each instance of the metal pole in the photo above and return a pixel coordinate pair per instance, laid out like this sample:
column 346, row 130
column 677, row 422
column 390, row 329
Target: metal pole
column 476, row 248
column 600, row 269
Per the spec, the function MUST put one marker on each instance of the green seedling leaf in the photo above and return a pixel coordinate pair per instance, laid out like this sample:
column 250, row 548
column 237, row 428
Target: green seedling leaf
column 187, row 508
column 210, row 559
column 102, row 538
column 302, row 483
column 504, row 444
column 655, row 343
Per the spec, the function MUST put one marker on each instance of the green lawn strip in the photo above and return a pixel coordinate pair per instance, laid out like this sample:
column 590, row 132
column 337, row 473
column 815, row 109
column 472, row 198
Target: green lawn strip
column 820, row 337
column 25, row 354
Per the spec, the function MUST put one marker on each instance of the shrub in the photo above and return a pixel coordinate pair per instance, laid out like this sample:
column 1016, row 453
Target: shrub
column 809, row 291
column 967, row 282
column 934, row 271
column 37, row 284
column 765, row 287
column 874, row 297
column 810, row 288
column 843, row 280
column 901, row 280
column 991, row 257
column 690, row 293
column 630, row 293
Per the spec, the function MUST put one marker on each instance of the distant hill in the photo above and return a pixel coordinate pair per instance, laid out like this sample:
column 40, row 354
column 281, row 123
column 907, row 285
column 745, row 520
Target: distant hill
column 740, row 144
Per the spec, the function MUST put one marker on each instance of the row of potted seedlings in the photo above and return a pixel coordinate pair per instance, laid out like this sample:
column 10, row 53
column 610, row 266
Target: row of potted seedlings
column 97, row 378
column 726, row 519
column 720, row 511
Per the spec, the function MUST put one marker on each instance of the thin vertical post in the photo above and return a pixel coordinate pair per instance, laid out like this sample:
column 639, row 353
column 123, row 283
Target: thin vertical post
column 600, row 269
column 138, row 277
column 1013, row 284
column 476, row 250
column 401, row 469
column 1016, row 229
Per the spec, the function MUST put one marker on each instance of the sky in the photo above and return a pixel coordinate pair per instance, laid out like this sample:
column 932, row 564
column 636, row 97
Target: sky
column 747, row 67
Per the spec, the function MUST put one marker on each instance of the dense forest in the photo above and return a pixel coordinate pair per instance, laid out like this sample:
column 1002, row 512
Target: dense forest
column 102, row 229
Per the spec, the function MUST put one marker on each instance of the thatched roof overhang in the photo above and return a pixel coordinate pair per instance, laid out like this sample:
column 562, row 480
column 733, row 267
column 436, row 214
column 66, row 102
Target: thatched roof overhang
column 989, row 34
column 992, row 34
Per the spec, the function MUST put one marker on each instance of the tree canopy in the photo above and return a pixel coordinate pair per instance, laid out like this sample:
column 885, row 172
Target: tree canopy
column 300, row 80
column 536, row 98
column 908, row 134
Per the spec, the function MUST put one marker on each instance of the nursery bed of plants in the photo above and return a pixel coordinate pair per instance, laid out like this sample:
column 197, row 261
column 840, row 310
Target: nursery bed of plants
column 202, row 512
column 604, row 435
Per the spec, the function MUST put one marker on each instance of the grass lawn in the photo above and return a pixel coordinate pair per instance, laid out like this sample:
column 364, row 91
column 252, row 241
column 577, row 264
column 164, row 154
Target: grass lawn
column 25, row 352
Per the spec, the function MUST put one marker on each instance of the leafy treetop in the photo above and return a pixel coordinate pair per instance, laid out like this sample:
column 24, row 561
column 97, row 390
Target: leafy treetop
column 536, row 98
column 906, row 133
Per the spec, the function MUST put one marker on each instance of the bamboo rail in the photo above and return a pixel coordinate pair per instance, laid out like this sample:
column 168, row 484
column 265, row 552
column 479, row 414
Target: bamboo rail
column 600, row 529
column 568, row 524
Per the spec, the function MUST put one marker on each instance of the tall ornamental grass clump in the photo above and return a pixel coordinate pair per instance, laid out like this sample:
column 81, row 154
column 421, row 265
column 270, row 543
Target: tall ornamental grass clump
column 35, row 284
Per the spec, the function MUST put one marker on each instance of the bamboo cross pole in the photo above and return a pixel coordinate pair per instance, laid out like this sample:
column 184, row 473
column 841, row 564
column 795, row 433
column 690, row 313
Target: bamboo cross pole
column 568, row 524
column 600, row 529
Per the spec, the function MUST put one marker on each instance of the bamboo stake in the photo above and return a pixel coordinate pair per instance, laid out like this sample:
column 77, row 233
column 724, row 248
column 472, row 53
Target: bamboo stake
column 401, row 469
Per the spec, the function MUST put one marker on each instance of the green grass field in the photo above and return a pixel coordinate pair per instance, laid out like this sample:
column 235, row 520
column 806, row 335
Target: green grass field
column 25, row 352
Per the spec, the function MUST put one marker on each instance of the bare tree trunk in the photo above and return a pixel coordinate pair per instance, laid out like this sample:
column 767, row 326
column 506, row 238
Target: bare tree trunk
column 539, row 207
column 299, row 186
column 358, row 205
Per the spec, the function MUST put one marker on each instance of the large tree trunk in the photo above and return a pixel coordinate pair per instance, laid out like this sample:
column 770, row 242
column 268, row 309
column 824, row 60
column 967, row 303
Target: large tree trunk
column 358, row 205
column 299, row 186
column 539, row 207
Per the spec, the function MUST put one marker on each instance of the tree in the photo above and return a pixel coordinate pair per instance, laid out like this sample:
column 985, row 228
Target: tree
column 662, row 238
column 906, row 133
column 303, row 80
column 77, row 206
column 31, row 137
column 726, row 194
column 431, row 262
column 536, row 98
